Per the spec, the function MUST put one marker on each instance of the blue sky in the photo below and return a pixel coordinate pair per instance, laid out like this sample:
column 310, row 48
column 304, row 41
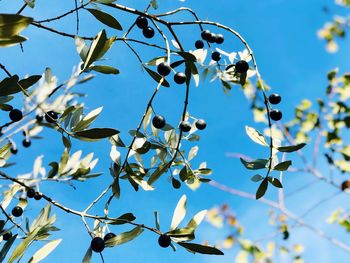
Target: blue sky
column 292, row 60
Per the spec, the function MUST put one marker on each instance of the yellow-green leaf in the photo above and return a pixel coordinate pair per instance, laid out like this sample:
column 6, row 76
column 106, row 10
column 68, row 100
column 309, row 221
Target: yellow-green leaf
column 45, row 251
column 13, row 24
column 179, row 213
column 105, row 18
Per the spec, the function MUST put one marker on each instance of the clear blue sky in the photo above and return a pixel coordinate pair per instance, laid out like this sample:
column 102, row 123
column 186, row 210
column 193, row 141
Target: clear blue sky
column 292, row 60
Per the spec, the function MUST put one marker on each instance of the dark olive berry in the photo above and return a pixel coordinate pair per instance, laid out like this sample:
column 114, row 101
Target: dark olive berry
column 180, row 78
column 163, row 69
column 216, row 56
column 158, row 121
column 164, row 241
column 275, row 115
column 17, row 211
column 206, row 34
column 26, row 143
column 345, row 185
column 219, row 39
column 141, row 22
column 185, row 126
column 200, row 124
column 176, row 183
column 31, row 193
column 242, row 66
column 285, row 235
column 212, row 38
column 97, row 244
column 51, row 116
column 108, row 236
column 16, row 115
column 148, row 32
column 199, row 44
column 14, row 150
column 7, row 236
column 39, row 118
column 37, row 196
column 275, row 98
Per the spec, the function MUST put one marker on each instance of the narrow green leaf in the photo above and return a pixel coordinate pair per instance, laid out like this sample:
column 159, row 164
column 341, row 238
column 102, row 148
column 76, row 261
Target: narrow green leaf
column 5, row 249
column 13, row 24
column 179, row 213
column 192, row 153
column 157, row 173
column 262, row 189
column 158, row 78
column 275, row 182
column 81, row 47
column 123, row 219
column 4, row 149
column 45, row 251
column 196, row 248
column 9, row 85
column 256, row 136
column 255, row 165
column 54, row 169
column 11, row 41
column 116, row 187
column 96, row 49
column 85, row 122
column 257, row 178
column 141, row 182
column 292, row 148
column 124, row 237
column 105, row 69
column 283, row 166
column 97, row 133
column 183, row 174
column 105, row 18
column 87, row 257
column 154, row 4
column 21, row 248
column 197, row 219
column 187, row 56
column 156, row 217
column 182, row 234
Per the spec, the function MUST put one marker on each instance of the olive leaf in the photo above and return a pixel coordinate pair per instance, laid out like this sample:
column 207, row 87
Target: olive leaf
column 161, row 169
column 124, row 237
column 292, row 148
column 45, row 251
column 5, row 249
column 13, row 24
column 262, row 188
column 197, row 219
column 105, row 18
column 179, row 213
column 96, row 133
column 87, row 257
column 158, row 78
column 256, row 164
column 196, row 248
column 123, row 219
column 283, row 166
column 275, row 182
column 256, row 136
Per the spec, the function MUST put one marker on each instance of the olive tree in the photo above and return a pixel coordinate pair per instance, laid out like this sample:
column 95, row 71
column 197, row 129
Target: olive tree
column 157, row 147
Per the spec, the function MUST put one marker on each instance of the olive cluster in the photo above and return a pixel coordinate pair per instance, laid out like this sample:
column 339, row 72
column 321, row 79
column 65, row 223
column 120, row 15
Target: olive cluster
column 159, row 122
column 275, row 114
column 98, row 244
column 17, row 211
column 17, row 115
